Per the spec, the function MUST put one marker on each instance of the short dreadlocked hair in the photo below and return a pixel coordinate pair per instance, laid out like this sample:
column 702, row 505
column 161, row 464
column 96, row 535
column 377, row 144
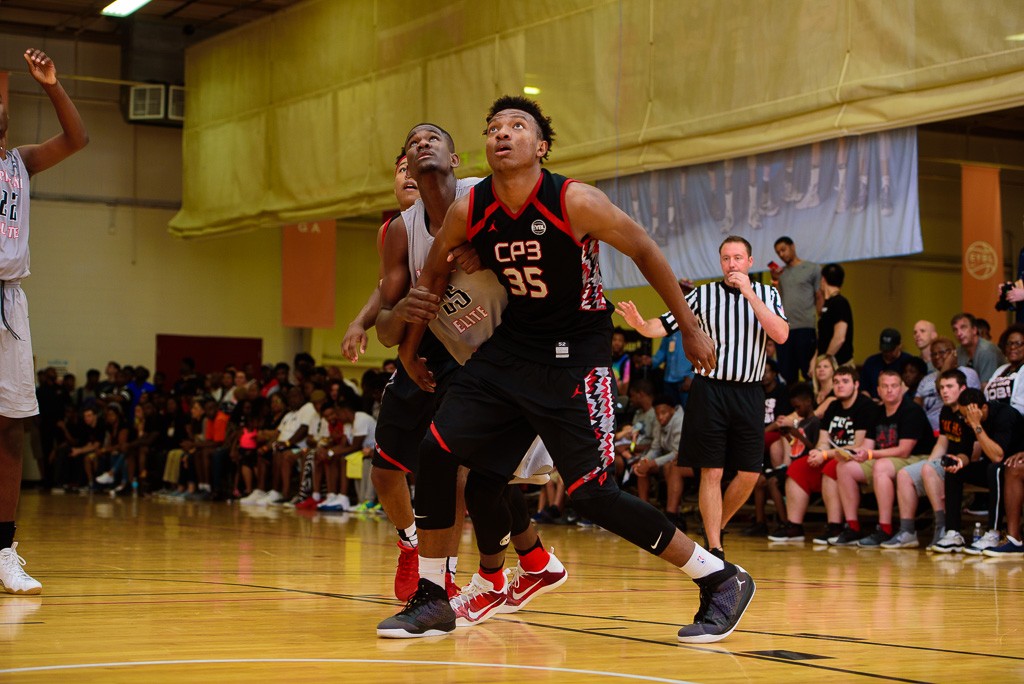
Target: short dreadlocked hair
column 525, row 104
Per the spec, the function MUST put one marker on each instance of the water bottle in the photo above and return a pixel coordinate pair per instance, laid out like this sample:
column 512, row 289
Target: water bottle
column 977, row 532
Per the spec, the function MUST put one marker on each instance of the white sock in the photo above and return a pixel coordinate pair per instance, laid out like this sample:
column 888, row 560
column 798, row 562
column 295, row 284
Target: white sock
column 701, row 563
column 408, row 537
column 432, row 569
column 814, row 176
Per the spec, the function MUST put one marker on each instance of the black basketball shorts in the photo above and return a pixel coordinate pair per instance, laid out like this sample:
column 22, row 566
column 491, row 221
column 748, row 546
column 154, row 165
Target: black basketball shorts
column 723, row 426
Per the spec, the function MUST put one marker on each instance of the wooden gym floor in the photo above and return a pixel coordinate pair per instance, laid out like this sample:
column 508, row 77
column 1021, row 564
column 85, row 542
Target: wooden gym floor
column 142, row 590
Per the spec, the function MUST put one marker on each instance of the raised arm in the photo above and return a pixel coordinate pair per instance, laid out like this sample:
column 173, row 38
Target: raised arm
column 72, row 137
column 773, row 324
column 430, row 285
column 592, row 213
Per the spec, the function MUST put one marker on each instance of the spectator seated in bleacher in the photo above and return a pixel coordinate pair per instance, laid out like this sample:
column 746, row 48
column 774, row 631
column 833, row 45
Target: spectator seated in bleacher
column 660, row 460
column 1006, row 385
column 890, row 356
column 944, row 357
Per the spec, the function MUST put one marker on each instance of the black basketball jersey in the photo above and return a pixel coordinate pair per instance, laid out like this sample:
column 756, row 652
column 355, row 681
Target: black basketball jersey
column 557, row 313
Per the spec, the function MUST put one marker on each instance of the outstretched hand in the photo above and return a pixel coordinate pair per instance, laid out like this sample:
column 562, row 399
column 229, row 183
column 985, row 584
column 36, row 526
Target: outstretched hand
column 41, row 67
column 630, row 313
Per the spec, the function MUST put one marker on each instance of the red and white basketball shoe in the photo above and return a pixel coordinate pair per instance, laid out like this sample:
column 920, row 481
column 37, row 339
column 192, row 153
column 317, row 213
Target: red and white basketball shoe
column 477, row 602
column 524, row 586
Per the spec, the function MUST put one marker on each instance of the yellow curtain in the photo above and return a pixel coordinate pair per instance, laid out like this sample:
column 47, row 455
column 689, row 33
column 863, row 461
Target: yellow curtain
column 299, row 116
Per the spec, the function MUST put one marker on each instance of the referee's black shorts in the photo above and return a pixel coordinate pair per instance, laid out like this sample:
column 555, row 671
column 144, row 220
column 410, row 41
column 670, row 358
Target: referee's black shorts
column 497, row 403
column 723, row 426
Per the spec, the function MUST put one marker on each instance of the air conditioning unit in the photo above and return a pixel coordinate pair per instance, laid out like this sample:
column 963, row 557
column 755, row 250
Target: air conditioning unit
column 176, row 103
column 147, row 102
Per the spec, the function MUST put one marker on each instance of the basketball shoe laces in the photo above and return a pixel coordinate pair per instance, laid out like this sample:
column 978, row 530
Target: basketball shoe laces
column 13, row 564
column 421, row 597
column 705, row 604
column 471, row 591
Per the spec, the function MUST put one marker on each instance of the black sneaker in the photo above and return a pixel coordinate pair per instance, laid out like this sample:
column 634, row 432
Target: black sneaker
column 831, row 532
column 848, row 537
column 724, row 597
column 875, row 539
column 787, row 532
column 427, row 613
column 758, row 529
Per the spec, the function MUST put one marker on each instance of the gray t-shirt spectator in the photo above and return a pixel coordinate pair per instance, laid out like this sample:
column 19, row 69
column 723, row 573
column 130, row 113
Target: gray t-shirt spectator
column 987, row 358
column 666, row 442
column 797, row 285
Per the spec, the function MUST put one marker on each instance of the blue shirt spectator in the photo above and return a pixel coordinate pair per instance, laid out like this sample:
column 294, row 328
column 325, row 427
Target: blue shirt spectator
column 678, row 369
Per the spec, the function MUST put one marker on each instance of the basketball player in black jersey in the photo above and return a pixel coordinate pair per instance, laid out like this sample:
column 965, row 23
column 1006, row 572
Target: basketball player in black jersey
column 546, row 368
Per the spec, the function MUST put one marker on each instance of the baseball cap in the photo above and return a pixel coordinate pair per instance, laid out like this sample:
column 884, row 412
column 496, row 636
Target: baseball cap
column 889, row 339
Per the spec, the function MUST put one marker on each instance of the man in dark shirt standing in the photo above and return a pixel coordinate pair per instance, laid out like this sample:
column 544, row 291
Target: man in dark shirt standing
column 835, row 322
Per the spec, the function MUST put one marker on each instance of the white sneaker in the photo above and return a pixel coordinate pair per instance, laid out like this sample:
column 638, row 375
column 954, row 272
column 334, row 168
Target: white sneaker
column 951, row 542
column 902, row 540
column 105, row 479
column 13, row 578
column 271, row 498
column 253, row 499
column 990, row 540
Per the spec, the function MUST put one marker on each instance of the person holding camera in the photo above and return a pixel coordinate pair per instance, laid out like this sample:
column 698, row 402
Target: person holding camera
column 1011, row 294
column 999, row 432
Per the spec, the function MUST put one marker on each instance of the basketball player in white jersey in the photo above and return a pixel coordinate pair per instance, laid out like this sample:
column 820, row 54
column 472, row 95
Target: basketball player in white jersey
column 17, row 377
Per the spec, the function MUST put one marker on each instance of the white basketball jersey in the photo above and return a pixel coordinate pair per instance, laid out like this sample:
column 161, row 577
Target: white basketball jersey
column 13, row 217
column 471, row 306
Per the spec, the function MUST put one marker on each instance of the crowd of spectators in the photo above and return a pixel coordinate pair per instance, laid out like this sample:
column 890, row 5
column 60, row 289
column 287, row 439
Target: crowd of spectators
column 898, row 434
column 256, row 435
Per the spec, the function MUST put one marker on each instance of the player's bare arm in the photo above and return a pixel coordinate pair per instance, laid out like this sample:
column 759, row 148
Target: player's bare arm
column 590, row 209
column 431, row 284
column 73, row 135
column 354, row 342
column 394, row 284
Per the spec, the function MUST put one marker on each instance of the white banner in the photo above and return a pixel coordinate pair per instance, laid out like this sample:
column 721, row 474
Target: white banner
column 840, row 200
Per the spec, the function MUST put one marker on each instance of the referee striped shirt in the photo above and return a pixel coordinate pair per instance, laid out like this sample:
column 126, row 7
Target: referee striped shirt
column 727, row 317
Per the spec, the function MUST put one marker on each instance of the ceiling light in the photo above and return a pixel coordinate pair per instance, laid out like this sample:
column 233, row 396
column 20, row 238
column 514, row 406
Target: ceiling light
column 531, row 90
column 122, row 8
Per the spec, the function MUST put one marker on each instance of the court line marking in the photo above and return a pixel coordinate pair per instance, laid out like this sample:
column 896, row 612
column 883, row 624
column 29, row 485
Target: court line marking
column 384, row 601
column 364, row 661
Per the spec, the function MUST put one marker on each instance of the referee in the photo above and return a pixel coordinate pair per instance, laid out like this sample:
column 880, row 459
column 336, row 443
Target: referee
column 723, row 426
